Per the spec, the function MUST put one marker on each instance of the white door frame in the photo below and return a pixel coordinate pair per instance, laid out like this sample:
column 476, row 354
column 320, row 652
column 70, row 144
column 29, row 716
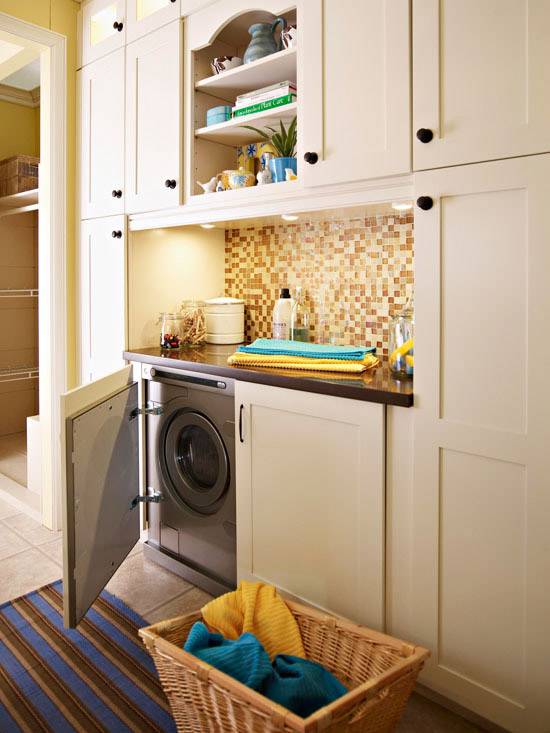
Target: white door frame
column 52, row 231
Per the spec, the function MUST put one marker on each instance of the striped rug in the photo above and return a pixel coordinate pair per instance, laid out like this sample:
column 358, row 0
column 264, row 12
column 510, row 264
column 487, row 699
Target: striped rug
column 96, row 678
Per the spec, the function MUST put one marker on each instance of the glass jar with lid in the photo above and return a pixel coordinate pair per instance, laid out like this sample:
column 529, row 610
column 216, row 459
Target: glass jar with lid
column 193, row 322
column 170, row 331
column 401, row 349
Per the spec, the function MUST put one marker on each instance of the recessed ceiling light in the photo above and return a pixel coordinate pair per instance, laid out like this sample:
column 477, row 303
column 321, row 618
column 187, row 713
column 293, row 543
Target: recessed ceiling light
column 208, row 226
column 401, row 206
column 289, row 217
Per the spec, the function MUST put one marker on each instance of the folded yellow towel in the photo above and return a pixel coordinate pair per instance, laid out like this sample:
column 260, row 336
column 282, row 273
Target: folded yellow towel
column 259, row 609
column 303, row 363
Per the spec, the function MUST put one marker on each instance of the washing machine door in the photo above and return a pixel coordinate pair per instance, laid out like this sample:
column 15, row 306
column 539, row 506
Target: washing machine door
column 195, row 462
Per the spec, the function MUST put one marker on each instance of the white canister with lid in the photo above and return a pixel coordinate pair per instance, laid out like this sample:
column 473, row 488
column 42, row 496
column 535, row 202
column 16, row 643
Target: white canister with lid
column 224, row 320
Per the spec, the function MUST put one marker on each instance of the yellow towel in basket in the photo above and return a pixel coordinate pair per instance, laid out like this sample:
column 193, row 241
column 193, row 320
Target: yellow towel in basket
column 259, row 609
column 303, row 363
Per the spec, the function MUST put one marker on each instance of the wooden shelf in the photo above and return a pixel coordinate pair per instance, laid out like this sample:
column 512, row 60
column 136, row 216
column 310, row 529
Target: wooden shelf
column 18, row 203
column 280, row 66
column 232, row 132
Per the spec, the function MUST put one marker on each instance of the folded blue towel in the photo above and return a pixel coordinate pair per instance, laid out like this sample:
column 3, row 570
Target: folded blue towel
column 245, row 659
column 285, row 347
column 301, row 685
column 298, row 684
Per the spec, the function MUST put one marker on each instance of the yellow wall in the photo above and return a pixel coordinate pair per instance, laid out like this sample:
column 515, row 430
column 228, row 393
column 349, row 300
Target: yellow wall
column 61, row 16
column 19, row 133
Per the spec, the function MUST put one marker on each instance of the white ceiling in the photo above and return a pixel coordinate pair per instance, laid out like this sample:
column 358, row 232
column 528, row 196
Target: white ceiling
column 27, row 78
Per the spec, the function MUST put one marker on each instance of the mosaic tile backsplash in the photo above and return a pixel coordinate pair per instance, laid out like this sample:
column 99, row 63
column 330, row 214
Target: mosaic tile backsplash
column 355, row 273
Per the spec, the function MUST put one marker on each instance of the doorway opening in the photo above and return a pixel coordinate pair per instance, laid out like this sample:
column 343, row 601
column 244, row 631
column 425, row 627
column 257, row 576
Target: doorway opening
column 32, row 266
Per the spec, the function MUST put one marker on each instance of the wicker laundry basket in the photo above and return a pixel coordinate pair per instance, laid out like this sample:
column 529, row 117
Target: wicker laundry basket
column 379, row 671
column 17, row 174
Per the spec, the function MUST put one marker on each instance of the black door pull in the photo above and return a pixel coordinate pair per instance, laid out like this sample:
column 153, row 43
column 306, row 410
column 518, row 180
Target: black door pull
column 241, row 408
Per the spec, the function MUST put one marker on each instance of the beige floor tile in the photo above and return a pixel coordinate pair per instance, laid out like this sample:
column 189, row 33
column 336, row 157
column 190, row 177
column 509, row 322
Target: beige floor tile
column 10, row 543
column 143, row 585
column 54, row 550
column 424, row 716
column 25, row 572
column 7, row 510
column 32, row 531
column 191, row 600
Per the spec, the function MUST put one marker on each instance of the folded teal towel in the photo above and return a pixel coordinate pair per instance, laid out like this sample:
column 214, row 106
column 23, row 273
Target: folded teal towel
column 245, row 659
column 301, row 686
column 285, row 347
column 298, row 684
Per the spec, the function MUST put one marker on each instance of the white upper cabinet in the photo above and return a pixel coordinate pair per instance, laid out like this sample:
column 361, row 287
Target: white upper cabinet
column 103, row 315
column 354, row 90
column 480, row 558
column 154, row 120
column 145, row 16
column 481, row 75
column 101, row 97
column 103, row 28
column 310, row 498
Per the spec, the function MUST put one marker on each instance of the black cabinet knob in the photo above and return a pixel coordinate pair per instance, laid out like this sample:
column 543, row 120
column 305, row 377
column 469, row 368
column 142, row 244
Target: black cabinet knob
column 424, row 135
column 425, row 202
column 118, row 26
column 117, row 234
column 170, row 183
column 311, row 158
column 117, row 193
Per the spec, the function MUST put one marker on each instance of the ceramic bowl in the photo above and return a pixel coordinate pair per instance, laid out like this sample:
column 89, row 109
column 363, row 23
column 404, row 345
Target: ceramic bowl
column 238, row 179
column 224, row 63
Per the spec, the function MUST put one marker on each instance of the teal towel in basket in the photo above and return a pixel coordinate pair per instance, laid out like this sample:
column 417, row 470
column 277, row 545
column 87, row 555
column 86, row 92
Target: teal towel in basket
column 285, row 347
column 298, row 684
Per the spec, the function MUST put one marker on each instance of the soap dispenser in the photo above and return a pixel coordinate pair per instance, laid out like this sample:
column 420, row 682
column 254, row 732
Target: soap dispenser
column 282, row 315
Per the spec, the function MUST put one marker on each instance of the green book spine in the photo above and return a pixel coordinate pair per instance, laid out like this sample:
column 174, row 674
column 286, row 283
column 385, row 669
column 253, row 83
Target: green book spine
column 263, row 106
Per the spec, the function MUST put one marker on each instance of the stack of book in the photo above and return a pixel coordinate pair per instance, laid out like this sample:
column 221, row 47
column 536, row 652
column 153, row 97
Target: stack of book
column 276, row 95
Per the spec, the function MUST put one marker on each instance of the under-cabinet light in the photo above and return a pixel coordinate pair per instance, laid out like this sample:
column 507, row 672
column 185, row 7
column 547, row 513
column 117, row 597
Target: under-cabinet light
column 289, row 217
column 401, row 206
column 208, row 226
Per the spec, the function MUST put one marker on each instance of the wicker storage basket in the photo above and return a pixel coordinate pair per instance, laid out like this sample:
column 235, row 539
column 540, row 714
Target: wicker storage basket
column 18, row 174
column 379, row 671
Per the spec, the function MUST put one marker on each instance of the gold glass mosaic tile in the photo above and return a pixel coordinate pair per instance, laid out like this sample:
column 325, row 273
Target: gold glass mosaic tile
column 355, row 273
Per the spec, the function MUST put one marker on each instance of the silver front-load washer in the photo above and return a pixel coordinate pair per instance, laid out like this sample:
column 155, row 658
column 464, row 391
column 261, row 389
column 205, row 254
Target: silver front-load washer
column 190, row 440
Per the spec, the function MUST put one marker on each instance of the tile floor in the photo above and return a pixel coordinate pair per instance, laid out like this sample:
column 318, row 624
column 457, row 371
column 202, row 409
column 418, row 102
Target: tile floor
column 31, row 556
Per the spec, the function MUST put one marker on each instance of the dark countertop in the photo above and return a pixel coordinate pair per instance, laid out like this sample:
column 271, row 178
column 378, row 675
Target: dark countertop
column 374, row 385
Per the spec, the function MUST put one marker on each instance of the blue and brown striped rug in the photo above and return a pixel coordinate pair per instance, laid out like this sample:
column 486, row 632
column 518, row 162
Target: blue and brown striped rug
column 96, row 678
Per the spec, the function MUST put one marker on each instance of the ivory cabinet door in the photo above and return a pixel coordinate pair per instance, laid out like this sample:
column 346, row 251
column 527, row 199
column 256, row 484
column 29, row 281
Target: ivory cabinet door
column 145, row 16
column 102, row 28
column 481, row 501
column 102, row 296
column 154, row 120
column 354, row 90
column 101, row 97
column 310, row 498
column 481, row 80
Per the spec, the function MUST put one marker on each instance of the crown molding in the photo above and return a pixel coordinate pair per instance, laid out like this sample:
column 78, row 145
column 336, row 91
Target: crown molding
column 20, row 96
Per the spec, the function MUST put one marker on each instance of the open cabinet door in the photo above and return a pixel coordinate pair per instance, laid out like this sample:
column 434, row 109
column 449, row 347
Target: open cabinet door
column 100, row 516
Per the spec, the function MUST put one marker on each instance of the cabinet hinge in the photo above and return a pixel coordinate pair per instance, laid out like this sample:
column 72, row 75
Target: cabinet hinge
column 150, row 409
column 153, row 498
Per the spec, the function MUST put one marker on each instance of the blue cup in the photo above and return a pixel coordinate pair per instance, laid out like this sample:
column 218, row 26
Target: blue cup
column 278, row 166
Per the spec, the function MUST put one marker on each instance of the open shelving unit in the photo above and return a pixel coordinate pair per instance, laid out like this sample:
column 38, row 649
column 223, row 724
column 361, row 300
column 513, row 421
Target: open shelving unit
column 19, row 203
column 271, row 69
column 215, row 147
column 232, row 132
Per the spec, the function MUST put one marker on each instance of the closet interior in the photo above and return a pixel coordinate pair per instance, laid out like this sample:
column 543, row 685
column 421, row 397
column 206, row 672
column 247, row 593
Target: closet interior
column 20, row 465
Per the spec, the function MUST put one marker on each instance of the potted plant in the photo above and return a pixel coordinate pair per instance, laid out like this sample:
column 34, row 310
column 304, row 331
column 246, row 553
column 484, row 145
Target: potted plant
column 284, row 143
